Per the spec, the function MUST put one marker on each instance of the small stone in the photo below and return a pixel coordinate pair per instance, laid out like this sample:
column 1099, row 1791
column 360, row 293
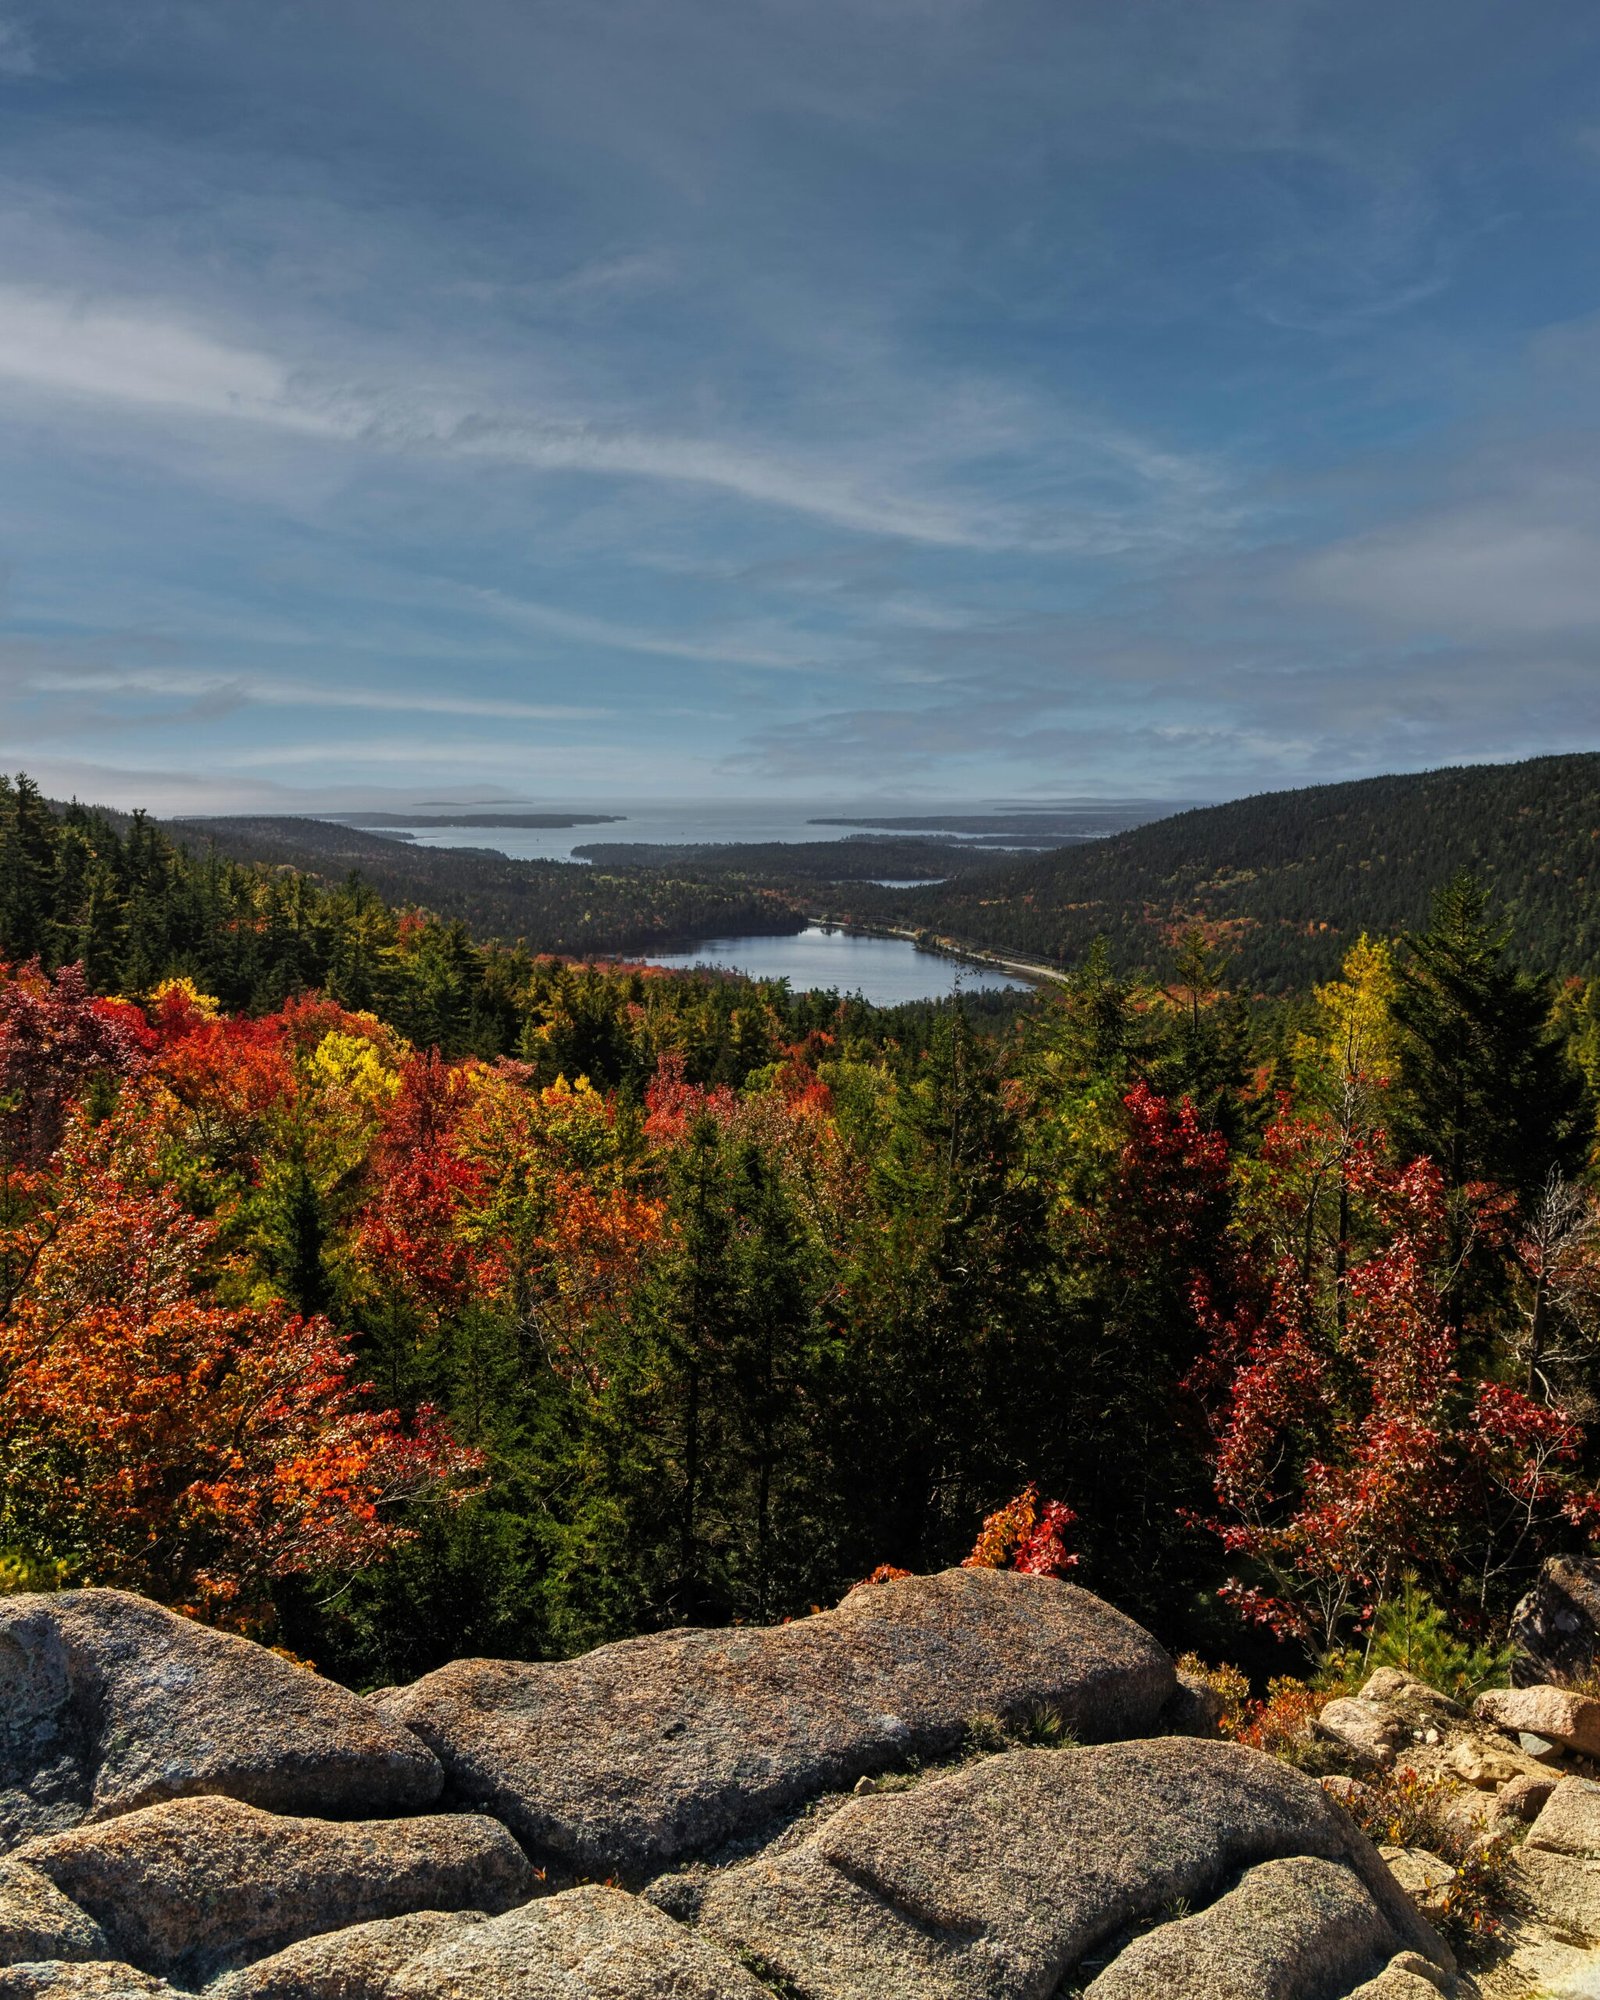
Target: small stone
column 1486, row 1766
column 1424, row 1877
column 1195, row 1708
column 1555, row 1713
column 1390, row 1684
column 1371, row 1729
column 1539, row 1748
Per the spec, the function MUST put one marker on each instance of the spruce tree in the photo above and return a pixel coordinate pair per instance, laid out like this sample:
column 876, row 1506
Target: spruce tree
column 1485, row 1088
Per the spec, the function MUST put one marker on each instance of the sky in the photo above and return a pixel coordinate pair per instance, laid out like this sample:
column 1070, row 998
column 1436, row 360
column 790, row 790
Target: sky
column 586, row 401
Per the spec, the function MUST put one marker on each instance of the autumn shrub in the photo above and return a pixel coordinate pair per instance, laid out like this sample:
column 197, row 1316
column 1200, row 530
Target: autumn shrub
column 1230, row 1685
column 1280, row 1723
column 1399, row 1808
column 1027, row 1536
column 27, row 1570
column 153, row 1438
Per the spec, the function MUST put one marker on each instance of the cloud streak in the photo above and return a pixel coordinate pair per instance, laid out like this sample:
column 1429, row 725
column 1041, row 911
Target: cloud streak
column 232, row 691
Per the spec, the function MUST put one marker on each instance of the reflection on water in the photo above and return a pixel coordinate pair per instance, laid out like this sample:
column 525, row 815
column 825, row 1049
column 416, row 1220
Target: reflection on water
column 886, row 971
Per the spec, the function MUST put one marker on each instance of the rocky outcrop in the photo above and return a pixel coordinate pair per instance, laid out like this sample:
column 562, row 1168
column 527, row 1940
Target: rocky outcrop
column 591, row 1943
column 356, row 1963
column 1507, row 1785
column 108, row 1703
column 641, row 1754
column 830, row 1810
column 999, row 1881
column 1297, row 1926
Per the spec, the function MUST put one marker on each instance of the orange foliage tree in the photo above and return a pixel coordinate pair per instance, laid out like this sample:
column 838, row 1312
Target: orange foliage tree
column 156, row 1432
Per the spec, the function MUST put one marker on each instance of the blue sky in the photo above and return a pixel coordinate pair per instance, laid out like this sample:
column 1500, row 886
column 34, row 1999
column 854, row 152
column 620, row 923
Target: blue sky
column 590, row 400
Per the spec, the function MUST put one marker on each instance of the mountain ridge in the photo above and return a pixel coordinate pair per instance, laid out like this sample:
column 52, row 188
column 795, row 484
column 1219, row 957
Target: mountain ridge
column 1286, row 880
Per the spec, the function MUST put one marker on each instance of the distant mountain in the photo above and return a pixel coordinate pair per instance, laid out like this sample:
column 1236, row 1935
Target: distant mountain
column 1290, row 878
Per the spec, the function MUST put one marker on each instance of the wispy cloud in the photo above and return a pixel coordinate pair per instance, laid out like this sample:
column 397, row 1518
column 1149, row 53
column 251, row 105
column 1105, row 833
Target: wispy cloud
column 144, row 358
column 710, row 649
column 238, row 690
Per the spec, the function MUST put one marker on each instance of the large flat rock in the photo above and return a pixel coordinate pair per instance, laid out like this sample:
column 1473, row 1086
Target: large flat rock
column 1572, row 1720
column 642, row 1754
column 189, row 1889
column 1035, row 1870
column 109, row 1703
column 590, row 1943
column 1569, row 1822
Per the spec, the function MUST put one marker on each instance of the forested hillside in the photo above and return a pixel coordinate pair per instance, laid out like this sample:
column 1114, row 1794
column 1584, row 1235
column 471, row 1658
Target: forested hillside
column 1288, row 880
column 544, row 905
column 399, row 1297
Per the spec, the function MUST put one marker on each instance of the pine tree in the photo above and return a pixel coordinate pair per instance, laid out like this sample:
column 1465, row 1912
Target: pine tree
column 27, row 869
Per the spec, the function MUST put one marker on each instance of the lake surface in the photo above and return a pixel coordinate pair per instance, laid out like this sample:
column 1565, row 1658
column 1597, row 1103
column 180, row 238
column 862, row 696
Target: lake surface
column 886, row 971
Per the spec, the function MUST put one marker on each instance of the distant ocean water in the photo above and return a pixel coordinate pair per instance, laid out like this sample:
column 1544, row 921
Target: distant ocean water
column 689, row 825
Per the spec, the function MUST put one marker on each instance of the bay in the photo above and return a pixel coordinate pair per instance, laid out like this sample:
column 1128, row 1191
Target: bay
column 716, row 822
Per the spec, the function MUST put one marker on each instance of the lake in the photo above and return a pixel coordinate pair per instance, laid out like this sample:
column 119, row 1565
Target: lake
column 886, row 971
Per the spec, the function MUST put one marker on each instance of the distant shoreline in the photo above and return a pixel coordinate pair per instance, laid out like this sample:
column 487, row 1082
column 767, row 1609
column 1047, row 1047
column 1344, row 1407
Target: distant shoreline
column 1035, row 971
column 537, row 820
